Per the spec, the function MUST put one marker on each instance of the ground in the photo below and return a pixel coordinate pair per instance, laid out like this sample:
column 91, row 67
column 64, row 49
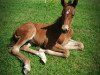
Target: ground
column 86, row 26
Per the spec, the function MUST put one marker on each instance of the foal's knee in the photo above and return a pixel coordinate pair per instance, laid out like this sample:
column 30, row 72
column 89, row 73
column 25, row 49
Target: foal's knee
column 15, row 50
column 80, row 45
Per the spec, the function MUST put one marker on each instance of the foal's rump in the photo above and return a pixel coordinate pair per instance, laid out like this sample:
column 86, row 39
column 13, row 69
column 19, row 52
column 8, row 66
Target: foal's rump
column 26, row 30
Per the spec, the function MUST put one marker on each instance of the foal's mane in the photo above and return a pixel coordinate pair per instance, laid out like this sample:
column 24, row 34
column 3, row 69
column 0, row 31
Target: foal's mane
column 57, row 23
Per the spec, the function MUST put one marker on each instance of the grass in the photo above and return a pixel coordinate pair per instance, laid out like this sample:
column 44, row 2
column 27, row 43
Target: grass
column 86, row 26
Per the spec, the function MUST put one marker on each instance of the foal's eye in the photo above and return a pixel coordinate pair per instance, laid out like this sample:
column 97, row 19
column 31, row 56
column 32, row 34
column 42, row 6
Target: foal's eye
column 73, row 14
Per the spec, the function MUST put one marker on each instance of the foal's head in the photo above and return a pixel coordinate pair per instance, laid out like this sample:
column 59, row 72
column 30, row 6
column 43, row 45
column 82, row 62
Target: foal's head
column 68, row 13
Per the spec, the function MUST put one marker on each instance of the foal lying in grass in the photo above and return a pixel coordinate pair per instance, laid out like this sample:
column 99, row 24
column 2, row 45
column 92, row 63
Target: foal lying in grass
column 55, row 38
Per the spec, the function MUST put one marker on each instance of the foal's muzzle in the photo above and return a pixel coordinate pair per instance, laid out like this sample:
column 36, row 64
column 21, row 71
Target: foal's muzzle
column 65, row 28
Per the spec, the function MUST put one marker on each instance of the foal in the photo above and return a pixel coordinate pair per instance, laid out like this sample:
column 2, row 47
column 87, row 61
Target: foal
column 56, row 38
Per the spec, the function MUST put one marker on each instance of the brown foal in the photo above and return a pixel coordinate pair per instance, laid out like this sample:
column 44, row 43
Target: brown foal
column 55, row 38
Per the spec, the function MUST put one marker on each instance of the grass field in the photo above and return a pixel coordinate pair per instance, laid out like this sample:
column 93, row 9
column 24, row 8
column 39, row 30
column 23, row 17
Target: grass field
column 86, row 26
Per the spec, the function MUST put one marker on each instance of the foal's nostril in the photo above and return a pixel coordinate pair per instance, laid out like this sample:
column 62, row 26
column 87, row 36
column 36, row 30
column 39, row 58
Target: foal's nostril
column 65, row 30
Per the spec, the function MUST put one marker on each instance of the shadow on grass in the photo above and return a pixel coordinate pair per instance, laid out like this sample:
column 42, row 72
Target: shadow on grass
column 96, row 28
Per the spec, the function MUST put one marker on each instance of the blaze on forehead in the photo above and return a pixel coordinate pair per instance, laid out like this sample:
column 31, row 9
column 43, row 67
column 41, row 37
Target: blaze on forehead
column 68, row 11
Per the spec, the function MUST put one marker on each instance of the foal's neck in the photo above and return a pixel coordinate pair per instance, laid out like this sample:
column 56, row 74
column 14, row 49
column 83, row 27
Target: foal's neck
column 59, row 22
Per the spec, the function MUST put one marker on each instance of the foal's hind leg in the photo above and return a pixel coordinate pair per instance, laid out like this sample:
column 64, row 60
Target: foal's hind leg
column 39, row 53
column 72, row 44
column 15, row 51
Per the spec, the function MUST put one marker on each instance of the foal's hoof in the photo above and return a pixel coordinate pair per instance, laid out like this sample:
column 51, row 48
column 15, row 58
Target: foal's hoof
column 26, row 72
column 81, row 46
column 67, row 54
column 42, row 55
column 26, row 69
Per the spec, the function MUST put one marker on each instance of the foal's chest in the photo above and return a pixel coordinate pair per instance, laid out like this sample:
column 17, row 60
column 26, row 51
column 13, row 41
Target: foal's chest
column 65, row 37
column 61, row 39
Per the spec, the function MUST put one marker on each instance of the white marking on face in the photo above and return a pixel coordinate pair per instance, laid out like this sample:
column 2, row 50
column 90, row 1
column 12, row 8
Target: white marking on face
column 64, row 27
column 67, row 27
column 68, row 12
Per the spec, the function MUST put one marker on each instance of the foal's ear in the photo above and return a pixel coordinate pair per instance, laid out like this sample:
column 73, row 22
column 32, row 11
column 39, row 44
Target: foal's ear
column 70, row 2
column 75, row 2
column 63, row 3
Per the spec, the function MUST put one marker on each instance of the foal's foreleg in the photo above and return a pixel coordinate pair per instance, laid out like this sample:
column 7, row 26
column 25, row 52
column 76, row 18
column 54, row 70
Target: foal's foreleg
column 15, row 51
column 61, row 49
column 72, row 44
column 51, row 52
column 39, row 53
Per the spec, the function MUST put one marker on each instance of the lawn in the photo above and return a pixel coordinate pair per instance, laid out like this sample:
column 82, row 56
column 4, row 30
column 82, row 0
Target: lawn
column 86, row 26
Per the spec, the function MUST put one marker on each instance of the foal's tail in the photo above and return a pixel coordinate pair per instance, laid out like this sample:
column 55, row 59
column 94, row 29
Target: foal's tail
column 13, row 40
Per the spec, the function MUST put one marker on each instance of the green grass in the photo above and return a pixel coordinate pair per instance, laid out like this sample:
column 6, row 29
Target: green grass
column 86, row 25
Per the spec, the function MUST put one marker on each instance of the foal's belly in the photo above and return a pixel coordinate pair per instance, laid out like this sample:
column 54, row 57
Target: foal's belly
column 40, row 36
column 39, row 39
